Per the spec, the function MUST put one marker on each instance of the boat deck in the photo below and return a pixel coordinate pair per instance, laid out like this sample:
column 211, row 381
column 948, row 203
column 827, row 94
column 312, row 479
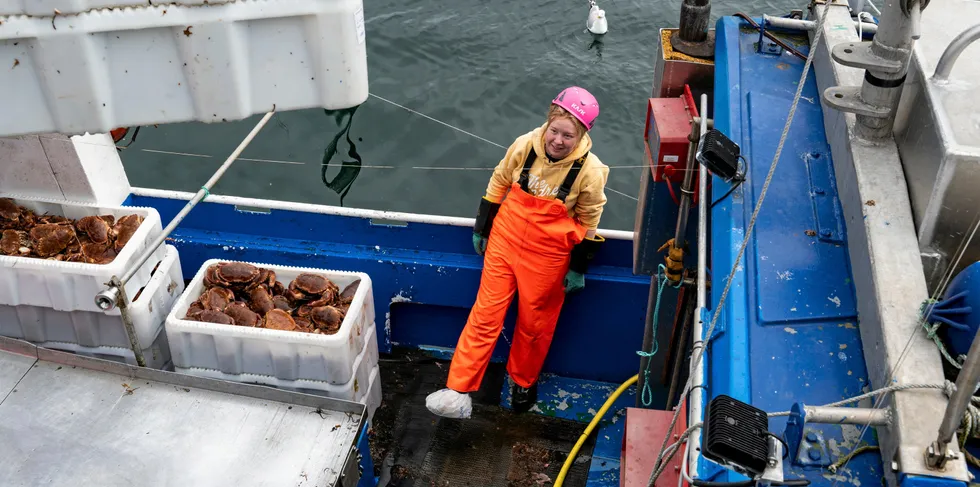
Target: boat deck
column 411, row 447
column 69, row 420
column 789, row 330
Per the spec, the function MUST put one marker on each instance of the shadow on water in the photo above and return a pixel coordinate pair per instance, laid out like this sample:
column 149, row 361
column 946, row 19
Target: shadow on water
column 350, row 167
column 596, row 44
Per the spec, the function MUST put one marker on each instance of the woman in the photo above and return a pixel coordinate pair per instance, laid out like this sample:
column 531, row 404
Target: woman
column 538, row 242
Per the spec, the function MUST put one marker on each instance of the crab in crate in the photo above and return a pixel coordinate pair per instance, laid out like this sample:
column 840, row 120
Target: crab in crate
column 91, row 240
column 241, row 294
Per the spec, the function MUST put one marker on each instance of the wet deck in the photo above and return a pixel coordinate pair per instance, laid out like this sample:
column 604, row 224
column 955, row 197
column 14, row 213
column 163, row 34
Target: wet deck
column 411, row 447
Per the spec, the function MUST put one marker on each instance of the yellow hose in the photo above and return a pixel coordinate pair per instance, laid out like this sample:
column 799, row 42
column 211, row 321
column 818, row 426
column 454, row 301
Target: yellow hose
column 588, row 430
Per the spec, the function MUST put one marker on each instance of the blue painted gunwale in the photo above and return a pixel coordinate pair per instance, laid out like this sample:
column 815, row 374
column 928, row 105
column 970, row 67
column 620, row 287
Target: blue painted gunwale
column 425, row 278
column 788, row 330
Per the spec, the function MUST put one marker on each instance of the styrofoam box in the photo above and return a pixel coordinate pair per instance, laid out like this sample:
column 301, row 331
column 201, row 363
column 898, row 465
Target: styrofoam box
column 72, row 286
column 156, row 355
column 68, row 7
column 359, row 388
column 228, row 60
column 285, row 355
column 98, row 329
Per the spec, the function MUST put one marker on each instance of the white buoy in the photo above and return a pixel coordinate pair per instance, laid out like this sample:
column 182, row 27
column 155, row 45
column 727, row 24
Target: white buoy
column 596, row 24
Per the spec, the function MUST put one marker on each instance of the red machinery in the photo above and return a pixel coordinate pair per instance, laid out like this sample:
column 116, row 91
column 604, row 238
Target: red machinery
column 666, row 141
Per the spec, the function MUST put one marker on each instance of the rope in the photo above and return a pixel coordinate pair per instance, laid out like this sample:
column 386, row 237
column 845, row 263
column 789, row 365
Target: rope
column 932, row 331
column 671, row 450
column 647, row 395
column 438, row 121
column 206, row 192
column 969, row 426
column 857, row 451
column 818, row 35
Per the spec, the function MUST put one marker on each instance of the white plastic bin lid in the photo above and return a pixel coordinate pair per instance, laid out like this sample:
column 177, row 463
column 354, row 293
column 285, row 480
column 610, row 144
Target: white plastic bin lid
column 95, row 66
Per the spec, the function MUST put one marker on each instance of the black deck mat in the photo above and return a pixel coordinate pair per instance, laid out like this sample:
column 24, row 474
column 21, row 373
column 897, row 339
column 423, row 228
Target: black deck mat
column 411, row 447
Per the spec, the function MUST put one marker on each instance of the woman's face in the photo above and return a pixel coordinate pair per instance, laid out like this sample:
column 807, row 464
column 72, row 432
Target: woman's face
column 561, row 138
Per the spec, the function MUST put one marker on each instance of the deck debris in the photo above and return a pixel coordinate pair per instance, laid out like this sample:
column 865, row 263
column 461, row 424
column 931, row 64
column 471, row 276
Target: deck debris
column 789, row 330
column 527, row 464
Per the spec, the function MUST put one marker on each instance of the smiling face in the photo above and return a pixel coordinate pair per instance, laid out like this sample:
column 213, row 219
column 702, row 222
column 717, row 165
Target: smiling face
column 561, row 137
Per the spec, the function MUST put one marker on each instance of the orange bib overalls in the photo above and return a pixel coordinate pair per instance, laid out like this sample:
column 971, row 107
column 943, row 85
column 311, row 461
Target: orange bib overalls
column 528, row 251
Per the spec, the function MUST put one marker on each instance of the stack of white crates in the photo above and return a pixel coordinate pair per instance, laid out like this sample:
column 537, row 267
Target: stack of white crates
column 343, row 365
column 52, row 303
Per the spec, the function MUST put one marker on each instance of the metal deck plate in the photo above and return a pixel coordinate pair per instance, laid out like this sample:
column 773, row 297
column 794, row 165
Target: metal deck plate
column 69, row 425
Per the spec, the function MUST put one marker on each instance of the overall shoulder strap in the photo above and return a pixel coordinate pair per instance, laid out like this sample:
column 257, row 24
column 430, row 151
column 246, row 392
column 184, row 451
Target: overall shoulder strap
column 528, row 162
column 566, row 185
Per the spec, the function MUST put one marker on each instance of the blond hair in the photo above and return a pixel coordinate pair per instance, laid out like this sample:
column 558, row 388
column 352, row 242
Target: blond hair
column 556, row 112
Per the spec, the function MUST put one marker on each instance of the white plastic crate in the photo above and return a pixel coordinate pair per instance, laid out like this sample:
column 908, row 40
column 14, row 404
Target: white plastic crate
column 93, row 329
column 285, row 355
column 353, row 390
column 72, row 286
column 156, row 354
column 67, row 7
column 363, row 387
column 94, row 69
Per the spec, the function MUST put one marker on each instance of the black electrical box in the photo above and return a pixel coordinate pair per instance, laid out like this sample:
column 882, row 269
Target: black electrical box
column 719, row 154
column 735, row 435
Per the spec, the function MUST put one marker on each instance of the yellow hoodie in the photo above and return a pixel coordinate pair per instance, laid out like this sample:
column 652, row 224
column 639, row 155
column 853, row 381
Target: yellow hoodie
column 586, row 198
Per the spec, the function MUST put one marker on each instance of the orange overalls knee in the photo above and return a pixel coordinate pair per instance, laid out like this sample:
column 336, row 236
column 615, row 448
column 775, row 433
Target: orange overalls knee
column 530, row 244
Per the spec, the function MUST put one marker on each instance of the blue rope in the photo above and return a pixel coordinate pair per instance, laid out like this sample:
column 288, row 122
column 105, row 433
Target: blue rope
column 647, row 394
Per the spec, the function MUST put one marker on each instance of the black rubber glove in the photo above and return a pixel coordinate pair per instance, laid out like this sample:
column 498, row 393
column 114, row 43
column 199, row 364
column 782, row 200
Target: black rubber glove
column 484, row 222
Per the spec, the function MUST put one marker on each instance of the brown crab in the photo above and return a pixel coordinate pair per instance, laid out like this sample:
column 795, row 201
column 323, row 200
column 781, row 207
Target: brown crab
column 278, row 319
column 50, row 239
column 125, row 228
column 278, row 289
column 304, row 324
column 309, row 287
column 216, row 298
column 242, row 315
column 280, row 302
column 98, row 229
column 15, row 242
column 93, row 253
column 260, row 300
column 237, row 276
column 212, row 316
column 267, row 279
column 9, row 210
column 194, row 310
column 327, row 319
column 347, row 296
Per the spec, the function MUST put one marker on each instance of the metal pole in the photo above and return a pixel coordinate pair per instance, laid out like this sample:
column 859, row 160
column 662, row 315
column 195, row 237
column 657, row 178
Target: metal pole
column 648, row 339
column 686, row 312
column 881, row 88
column 687, row 187
column 127, row 319
column 953, row 51
column 939, row 453
column 697, row 392
column 106, row 300
column 808, row 25
column 834, row 415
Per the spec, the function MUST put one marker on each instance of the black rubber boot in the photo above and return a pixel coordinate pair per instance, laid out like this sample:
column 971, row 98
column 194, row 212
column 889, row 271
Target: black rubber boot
column 521, row 399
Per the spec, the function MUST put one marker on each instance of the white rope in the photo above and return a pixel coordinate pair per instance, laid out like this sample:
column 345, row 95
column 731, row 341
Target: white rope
column 748, row 230
column 403, row 107
column 367, row 166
